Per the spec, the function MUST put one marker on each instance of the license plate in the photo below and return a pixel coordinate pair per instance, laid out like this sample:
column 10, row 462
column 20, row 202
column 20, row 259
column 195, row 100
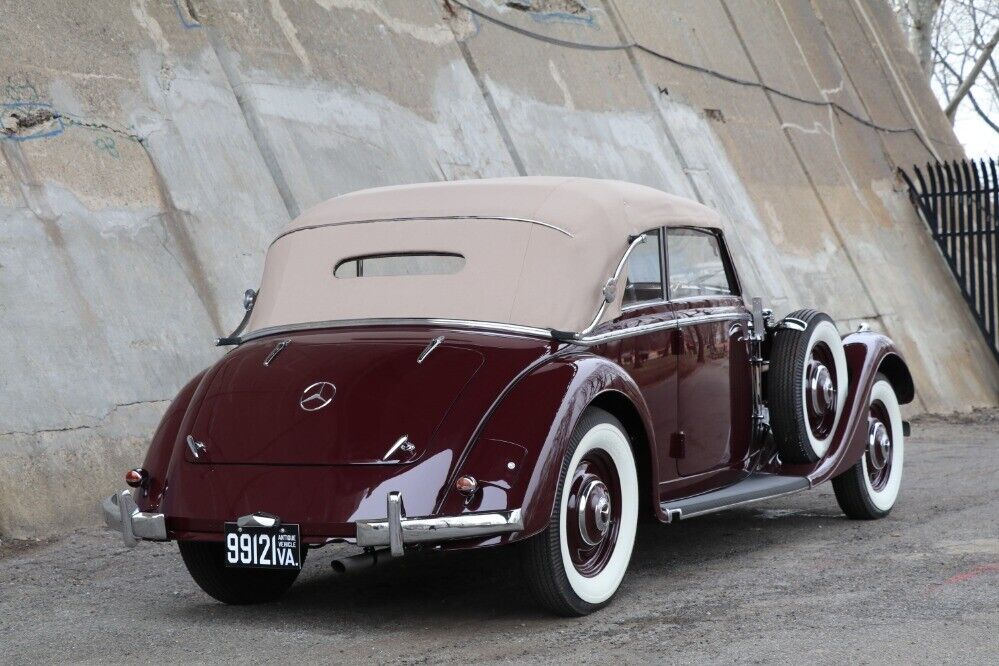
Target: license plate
column 263, row 547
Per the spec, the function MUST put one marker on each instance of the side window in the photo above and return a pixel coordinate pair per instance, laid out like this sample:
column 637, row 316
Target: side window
column 696, row 266
column 645, row 272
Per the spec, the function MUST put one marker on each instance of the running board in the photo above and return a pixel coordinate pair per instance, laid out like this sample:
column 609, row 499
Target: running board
column 755, row 487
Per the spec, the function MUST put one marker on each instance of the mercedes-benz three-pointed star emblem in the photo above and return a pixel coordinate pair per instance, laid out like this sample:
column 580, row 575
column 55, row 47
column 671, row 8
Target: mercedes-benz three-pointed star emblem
column 316, row 396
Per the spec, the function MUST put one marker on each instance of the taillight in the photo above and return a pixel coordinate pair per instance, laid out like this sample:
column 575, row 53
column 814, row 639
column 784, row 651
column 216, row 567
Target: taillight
column 136, row 477
column 466, row 485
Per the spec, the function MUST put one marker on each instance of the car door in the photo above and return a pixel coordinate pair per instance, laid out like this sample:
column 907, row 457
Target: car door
column 714, row 388
column 649, row 357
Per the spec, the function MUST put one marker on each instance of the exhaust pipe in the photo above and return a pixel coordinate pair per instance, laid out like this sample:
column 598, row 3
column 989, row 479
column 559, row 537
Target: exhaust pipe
column 365, row 560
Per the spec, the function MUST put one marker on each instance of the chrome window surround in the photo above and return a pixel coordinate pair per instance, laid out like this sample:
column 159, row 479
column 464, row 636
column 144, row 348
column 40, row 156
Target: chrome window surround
column 609, row 291
column 424, row 218
column 609, row 336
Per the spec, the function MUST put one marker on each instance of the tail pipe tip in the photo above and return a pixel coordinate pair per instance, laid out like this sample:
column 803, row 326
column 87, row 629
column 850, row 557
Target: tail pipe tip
column 365, row 560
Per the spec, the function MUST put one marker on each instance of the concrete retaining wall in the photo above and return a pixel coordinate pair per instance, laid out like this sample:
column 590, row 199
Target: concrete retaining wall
column 155, row 146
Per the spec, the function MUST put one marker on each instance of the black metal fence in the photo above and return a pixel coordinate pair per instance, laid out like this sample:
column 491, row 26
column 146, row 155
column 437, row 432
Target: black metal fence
column 960, row 202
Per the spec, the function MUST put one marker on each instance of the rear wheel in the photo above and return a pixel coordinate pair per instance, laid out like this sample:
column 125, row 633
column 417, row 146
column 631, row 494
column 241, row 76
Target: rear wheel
column 807, row 387
column 868, row 490
column 577, row 563
column 205, row 560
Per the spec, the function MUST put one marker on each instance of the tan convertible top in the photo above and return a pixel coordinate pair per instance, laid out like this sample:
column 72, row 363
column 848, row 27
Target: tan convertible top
column 537, row 251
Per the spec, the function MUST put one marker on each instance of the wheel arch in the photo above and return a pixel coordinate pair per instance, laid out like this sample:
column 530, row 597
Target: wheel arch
column 897, row 371
column 562, row 389
column 867, row 354
column 621, row 407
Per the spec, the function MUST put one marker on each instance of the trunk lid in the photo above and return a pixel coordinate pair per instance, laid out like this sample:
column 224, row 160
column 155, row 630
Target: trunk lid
column 330, row 398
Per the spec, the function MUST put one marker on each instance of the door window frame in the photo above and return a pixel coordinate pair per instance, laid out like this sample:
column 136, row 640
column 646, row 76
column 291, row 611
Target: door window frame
column 663, row 276
column 731, row 276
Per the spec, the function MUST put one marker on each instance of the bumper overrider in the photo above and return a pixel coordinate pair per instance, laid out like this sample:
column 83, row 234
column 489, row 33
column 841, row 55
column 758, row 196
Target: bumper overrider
column 121, row 514
column 396, row 531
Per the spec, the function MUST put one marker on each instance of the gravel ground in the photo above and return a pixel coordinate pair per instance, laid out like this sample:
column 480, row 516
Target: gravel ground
column 789, row 580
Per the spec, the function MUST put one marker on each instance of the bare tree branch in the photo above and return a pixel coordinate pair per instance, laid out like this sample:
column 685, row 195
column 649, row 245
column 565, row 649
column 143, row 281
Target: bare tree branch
column 969, row 80
column 982, row 114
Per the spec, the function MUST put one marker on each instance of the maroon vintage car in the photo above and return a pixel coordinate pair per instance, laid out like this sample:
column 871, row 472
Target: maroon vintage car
column 529, row 361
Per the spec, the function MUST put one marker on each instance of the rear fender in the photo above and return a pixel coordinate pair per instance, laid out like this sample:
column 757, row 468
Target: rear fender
column 531, row 428
column 163, row 443
column 867, row 354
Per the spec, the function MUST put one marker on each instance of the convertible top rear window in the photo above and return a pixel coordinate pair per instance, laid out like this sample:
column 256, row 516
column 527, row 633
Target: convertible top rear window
column 400, row 264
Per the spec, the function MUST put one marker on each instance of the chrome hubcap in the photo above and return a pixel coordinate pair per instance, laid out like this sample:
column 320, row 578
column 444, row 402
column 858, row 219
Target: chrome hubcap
column 821, row 389
column 878, row 445
column 594, row 512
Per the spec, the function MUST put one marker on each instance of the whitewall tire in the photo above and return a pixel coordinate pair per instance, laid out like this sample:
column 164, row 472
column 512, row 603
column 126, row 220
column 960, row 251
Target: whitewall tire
column 577, row 563
column 870, row 488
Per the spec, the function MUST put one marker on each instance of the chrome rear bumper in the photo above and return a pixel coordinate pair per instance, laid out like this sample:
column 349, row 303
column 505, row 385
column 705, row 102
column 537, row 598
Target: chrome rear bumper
column 397, row 530
column 121, row 515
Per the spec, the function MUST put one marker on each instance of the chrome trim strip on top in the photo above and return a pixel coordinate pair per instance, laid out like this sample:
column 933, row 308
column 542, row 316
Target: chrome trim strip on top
column 424, row 218
column 443, row 323
column 609, row 336
column 638, row 305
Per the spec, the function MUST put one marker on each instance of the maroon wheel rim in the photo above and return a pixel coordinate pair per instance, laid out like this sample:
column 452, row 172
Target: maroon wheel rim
column 880, row 446
column 820, row 390
column 593, row 513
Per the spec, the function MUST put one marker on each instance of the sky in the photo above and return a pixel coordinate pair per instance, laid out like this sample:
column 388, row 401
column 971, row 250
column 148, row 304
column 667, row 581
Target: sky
column 979, row 139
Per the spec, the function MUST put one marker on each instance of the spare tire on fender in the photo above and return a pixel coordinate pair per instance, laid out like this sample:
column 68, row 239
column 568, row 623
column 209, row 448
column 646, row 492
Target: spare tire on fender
column 807, row 386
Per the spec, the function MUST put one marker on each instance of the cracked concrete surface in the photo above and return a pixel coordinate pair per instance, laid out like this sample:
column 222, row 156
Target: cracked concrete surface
column 160, row 145
column 786, row 581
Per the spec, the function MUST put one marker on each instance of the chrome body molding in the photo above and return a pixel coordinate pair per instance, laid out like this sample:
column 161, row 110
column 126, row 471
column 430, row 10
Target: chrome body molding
column 122, row 515
column 489, row 326
column 494, row 327
column 680, row 515
column 609, row 336
column 427, row 218
column 397, row 531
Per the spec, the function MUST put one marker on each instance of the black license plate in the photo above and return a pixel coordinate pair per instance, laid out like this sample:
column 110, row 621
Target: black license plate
column 257, row 547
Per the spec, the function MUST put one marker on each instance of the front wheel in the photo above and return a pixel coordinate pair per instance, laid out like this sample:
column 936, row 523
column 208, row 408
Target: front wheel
column 577, row 563
column 205, row 561
column 868, row 490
